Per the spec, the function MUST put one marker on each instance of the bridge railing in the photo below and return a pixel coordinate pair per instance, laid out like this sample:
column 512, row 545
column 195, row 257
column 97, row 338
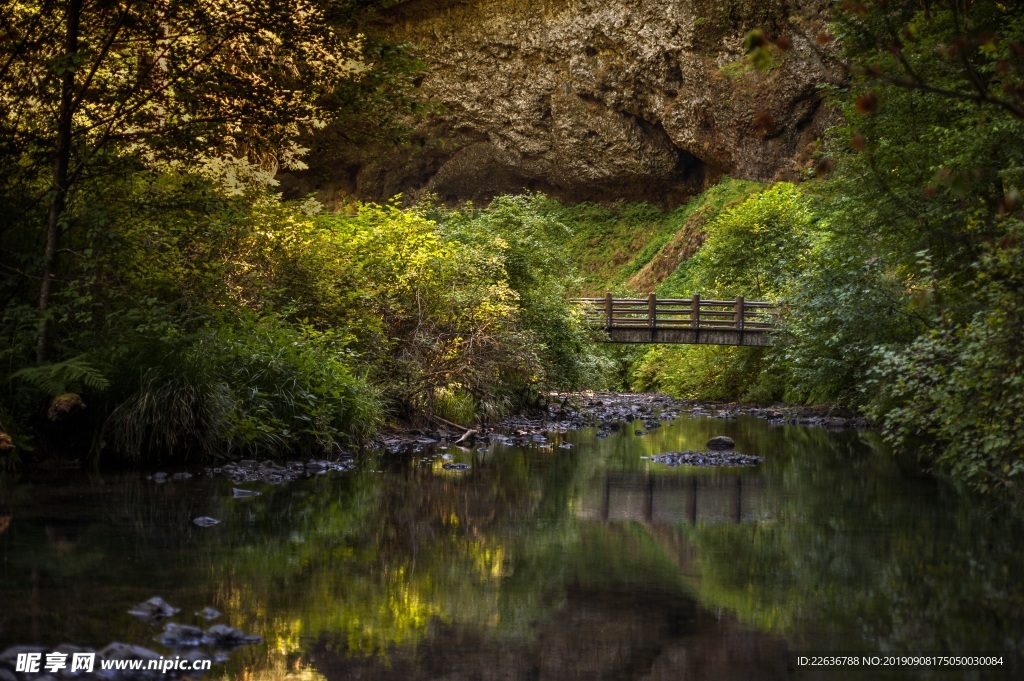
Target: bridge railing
column 694, row 313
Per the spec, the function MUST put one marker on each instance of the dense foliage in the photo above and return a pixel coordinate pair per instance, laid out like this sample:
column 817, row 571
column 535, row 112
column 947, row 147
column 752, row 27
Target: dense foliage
column 910, row 305
column 159, row 300
column 266, row 326
column 900, row 264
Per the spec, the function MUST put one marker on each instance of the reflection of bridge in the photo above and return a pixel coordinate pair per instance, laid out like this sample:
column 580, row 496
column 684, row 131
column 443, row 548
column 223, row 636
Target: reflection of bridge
column 670, row 499
column 690, row 321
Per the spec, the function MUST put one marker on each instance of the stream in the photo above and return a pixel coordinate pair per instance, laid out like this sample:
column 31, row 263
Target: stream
column 576, row 556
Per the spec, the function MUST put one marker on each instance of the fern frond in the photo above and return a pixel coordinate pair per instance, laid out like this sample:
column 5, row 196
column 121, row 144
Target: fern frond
column 61, row 377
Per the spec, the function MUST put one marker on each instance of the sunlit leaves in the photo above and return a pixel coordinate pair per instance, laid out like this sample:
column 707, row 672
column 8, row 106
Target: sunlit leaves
column 177, row 81
column 753, row 249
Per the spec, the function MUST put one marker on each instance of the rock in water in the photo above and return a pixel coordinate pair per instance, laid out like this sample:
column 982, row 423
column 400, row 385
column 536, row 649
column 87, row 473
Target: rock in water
column 155, row 608
column 205, row 521
column 721, row 443
column 125, row 651
column 223, row 636
column 208, row 613
column 181, row 636
column 709, row 459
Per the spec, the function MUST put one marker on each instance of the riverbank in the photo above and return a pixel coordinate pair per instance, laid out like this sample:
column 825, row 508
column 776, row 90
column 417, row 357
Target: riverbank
column 610, row 411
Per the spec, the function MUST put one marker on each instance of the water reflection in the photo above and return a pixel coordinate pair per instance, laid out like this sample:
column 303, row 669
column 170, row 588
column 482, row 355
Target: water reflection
column 590, row 562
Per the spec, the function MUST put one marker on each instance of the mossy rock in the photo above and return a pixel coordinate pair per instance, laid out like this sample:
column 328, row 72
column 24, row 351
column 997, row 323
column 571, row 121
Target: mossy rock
column 64, row 406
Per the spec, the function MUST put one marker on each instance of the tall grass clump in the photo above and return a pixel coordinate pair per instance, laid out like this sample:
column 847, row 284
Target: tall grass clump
column 254, row 386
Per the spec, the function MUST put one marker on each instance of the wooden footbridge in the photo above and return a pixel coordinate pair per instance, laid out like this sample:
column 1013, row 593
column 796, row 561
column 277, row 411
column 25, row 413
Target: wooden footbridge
column 690, row 321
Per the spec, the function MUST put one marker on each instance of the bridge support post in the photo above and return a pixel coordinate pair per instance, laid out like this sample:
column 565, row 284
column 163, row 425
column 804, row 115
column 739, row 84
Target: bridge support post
column 695, row 317
column 652, row 313
column 738, row 317
column 609, row 311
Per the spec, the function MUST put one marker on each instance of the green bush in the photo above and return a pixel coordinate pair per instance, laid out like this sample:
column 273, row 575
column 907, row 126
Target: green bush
column 454, row 404
column 517, row 241
column 956, row 394
column 704, row 372
column 753, row 248
column 250, row 385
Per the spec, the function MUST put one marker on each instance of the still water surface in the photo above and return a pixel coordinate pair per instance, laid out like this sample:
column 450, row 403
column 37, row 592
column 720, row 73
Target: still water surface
column 537, row 563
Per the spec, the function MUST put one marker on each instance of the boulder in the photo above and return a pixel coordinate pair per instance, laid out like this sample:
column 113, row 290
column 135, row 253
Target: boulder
column 126, row 651
column 223, row 636
column 181, row 636
column 208, row 613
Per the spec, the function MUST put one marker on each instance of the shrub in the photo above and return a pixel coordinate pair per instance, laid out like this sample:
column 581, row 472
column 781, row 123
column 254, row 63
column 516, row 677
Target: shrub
column 257, row 386
column 755, row 248
column 956, row 394
column 704, row 372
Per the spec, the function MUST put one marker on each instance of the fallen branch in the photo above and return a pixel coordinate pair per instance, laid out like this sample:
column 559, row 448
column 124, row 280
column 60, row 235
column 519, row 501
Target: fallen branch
column 447, row 423
column 470, row 434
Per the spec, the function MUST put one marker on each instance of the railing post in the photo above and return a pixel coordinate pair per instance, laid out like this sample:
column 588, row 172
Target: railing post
column 652, row 312
column 608, row 311
column 738, row 314
column 695, row 312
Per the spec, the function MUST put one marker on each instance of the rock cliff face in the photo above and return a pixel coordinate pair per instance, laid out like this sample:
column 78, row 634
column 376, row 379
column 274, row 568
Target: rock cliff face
column 601, row 99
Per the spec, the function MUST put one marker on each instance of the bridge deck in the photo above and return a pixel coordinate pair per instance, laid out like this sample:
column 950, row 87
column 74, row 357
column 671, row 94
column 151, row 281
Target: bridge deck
column 690, row 321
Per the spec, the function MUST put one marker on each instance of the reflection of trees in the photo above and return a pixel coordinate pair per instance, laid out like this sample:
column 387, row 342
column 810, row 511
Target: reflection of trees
column 372, row 562
column 501, row 558
column 858, row 547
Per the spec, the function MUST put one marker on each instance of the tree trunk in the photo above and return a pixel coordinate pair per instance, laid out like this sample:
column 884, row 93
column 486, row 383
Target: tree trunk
column 61, row 165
